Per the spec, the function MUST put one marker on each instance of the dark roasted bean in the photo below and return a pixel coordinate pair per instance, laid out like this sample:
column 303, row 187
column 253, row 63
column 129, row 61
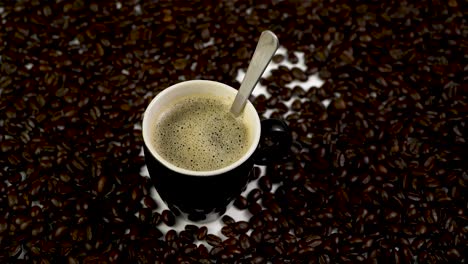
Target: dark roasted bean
column 227, row 220
column 150, row 203
column 201, row 233
column 168, row 217
column 227, row 231
column 272, row 102
column 145, row 215
column 296, row 105
column 274, row 208
column 292, row 57
column 256, row 221
column 156, row 218
column 215, row 251
column 299, row 74
column 265, row 183
column 256, row 235
column 241, row 202
column 267, row 216
column 233, row 250
column 255, row 208
column 241, row 226
column 257, row 260
column 285, row 94
column 278, row 58
column 213, row 240
column 298, row 91
column 186, row 237
column 191, row 228
column 254, row 195
column 230, row 242
column 255, row 173
column 244, row 242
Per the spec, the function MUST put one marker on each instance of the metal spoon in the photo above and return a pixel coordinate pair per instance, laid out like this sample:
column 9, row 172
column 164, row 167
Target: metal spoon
column 266, row 48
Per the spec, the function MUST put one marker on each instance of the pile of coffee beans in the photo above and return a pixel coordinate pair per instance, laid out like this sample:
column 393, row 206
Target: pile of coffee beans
column 379, row 175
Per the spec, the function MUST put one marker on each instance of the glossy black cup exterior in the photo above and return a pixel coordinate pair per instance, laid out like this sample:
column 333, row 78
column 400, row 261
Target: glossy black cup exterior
column 205, row 198
column 201, row 198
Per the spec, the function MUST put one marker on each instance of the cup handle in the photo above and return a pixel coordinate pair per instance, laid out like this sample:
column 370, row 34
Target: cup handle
column 275, row 142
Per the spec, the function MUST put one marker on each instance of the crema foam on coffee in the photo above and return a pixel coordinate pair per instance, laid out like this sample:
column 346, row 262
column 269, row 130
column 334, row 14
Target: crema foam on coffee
column 199, row 133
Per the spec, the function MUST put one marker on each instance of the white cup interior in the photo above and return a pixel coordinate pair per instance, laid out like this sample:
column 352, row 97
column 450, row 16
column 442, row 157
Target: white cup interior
column 167, row 97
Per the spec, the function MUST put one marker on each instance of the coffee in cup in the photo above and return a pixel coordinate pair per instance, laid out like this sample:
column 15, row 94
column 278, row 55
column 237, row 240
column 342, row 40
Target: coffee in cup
column 199, row 133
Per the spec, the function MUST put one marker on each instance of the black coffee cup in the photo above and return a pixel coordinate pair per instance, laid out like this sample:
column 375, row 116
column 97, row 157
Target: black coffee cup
column 202, row 196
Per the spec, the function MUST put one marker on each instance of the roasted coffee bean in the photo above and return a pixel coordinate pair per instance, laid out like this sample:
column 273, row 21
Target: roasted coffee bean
column 156, row 218
column 201, row 233
column 228, row 231
column 299, row 74
column 274, row 208
column 296, row 105
column 281, row 109
column 227, row 220
column 241, row 226
column 257, row 260
column 273, row 89
column 186, row 237
column 215, row 251
column 278, row 58
column 144, row 215
column 256, row 221
column 202, row 251
column 453, row 253
column 265, row 183
column 233, row 250
column 292, row 57
column 256, row 235
column 213, row 240
column 241, row 202
column 277, row 115
column 285, row 76
column 270, row 238
column 255, row 173
column 168, row 217
column 254, row 195
column 283, row 223
column 266, row 216
column 272, row 102
column 226, row 256
column 271, row 227
column 150, row 203
column 188, row 250
column 255, row 208
column 3, row 225
column 230, row 242
column 298, row 91
column 191, row 229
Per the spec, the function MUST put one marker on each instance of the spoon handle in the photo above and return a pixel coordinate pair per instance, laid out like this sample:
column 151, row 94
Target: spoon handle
column 266, row 48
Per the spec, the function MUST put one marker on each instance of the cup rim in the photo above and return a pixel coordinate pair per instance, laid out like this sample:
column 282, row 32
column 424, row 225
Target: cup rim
column 146, row 130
